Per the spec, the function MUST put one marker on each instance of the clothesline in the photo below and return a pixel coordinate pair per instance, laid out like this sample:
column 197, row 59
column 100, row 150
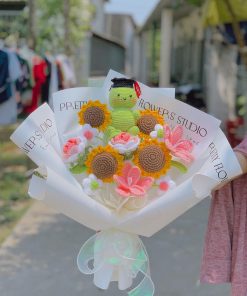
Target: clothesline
column 28, row 79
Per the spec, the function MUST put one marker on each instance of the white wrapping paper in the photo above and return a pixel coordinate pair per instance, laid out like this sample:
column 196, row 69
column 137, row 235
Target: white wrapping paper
column 215, row 162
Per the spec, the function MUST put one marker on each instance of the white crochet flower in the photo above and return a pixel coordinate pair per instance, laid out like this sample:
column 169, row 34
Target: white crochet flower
column 158, row 131
column 91, row 185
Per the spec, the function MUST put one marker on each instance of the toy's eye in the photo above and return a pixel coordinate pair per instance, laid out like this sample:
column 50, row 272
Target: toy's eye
column 118, row 95
column 130, row 96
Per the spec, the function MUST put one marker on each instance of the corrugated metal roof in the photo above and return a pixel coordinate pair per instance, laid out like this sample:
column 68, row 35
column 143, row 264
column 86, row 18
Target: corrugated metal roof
column 179, row 12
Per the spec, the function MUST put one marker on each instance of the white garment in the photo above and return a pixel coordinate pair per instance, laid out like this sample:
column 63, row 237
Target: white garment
column 53, row 87
column 68, row 70
column 14, row 66
column 28, row 55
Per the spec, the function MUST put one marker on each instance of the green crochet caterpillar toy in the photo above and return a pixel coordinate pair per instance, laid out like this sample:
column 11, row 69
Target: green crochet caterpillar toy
column 123, row 97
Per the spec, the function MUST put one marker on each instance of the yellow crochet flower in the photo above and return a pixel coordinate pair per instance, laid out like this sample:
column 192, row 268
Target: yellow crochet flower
column 104, row 162
column 147, row 122
column 96, row 114
column 153, row 158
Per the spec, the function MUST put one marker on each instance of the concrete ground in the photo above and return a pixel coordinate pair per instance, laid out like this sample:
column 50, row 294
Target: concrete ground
column 39, row 258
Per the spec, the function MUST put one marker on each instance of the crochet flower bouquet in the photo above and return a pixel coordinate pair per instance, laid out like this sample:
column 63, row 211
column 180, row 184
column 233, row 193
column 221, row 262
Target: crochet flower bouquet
column 124, row 160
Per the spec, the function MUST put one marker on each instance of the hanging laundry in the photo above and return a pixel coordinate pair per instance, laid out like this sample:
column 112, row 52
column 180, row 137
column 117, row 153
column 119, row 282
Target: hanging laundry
column 46, row 85
column 5, row 90
column 53, row 87
column 39, row 75
column 68, row 71
column 60, row 75
column 24, row 83
column 51, row 83
column 8, row 109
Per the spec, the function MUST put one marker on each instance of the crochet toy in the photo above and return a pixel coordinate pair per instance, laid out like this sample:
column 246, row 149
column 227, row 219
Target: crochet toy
column 123, row 97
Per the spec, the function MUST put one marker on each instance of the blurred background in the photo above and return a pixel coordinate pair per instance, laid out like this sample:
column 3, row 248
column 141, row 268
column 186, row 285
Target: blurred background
column 197, row 46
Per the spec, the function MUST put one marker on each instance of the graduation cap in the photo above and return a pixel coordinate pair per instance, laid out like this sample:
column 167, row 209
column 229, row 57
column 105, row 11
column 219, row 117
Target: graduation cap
column 129, row 83
column 122, row 82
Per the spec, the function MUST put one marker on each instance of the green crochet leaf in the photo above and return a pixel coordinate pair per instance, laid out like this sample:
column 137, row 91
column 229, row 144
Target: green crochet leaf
column 78, row 169
column 181, row 167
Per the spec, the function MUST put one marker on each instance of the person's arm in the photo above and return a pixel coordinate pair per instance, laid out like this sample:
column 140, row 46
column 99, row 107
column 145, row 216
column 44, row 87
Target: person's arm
column 241, row 154
column 242, row 160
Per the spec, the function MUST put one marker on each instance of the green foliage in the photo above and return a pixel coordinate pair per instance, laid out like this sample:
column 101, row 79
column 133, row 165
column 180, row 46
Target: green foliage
column 15, row 25
column 196, row 2
column 13, row 187
column 178, row 3
column 50, row 26
column 80, row 167
column 14, row 200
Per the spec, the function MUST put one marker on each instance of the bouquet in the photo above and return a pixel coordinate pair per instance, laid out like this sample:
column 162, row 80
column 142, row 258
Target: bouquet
column 124, row 160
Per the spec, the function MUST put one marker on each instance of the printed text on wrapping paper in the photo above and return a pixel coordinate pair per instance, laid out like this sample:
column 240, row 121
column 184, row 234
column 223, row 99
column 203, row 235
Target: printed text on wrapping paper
column 38, row 135
column 217, row 163
column 69, row 105
column 172, row 116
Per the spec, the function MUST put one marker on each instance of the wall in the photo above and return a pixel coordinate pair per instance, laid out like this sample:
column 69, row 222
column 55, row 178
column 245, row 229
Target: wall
column 220, row 82
column 201, row 56
column 98, row 24
column 105, row 55
column 188, row 35
column 122, row 29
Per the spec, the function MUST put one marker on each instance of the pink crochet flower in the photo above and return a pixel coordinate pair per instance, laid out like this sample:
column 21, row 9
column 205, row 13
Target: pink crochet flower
column 175, row 143
column 88, row 132
column 72, row 147
column 122, row 138
column 124, row 142
column 131, row 183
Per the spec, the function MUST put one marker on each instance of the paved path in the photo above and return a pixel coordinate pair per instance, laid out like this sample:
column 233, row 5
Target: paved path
column 39, row 258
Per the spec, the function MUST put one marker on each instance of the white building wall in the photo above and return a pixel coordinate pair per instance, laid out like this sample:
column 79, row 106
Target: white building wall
column 137, row 57
column 219, row 63
column 220, row 78
column 143, row 66
column 129, row 35
column 188, row 28
column 188, row 35
column 166, row 47
column 98, row 23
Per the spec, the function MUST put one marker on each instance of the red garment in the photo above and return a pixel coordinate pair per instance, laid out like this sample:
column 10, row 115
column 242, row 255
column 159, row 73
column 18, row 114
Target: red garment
column 225, row 251
column 39, row 76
